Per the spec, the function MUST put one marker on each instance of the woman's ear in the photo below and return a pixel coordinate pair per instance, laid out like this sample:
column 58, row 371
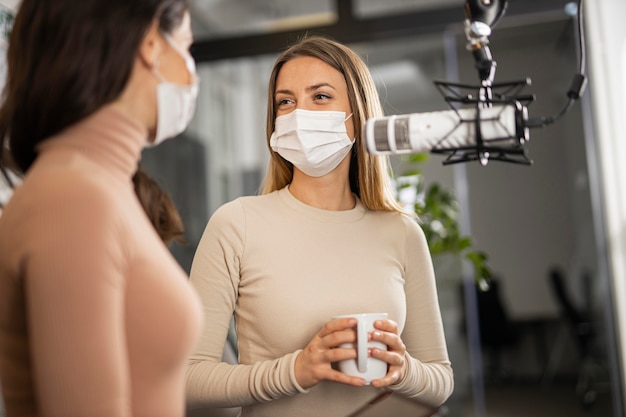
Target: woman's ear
column 150, row 47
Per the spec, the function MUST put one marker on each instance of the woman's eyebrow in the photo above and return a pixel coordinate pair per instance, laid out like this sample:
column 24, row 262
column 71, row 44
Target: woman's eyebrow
column 318, row 86
column 288, row 92
column 308, row 89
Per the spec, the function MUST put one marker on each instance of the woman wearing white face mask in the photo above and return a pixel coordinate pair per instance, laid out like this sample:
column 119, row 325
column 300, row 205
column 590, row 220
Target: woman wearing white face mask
column 326, row 238
column 97, row 317
column 176, row 98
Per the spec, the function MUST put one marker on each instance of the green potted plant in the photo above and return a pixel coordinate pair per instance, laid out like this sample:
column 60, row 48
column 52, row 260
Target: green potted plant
column 438, row 212
column 6, row 22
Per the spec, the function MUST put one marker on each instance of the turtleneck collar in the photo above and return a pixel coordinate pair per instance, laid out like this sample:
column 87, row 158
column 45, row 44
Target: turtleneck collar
column 108, row 137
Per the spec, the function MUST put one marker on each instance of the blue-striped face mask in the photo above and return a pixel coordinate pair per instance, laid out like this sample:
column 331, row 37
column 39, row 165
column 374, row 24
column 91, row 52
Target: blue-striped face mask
column 315, row 142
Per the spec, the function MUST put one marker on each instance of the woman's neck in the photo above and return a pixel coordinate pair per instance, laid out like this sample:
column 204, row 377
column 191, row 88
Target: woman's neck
column 331, row 192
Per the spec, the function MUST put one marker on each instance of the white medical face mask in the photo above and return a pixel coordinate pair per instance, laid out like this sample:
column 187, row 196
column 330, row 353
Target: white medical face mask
column 314, row 141
column 176, row 103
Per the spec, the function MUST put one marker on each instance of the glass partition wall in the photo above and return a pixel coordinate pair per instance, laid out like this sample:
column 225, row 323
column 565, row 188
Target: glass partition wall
column 530, row 221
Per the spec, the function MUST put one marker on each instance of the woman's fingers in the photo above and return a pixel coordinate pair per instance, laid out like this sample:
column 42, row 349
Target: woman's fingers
column 392, row 376
column 314, row 363
column 395, row 370
column 387, row 333
column 336, row 325
column 387, row 326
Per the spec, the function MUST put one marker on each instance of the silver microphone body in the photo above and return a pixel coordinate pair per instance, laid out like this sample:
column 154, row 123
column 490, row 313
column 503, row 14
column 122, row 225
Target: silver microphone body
column 501, row 125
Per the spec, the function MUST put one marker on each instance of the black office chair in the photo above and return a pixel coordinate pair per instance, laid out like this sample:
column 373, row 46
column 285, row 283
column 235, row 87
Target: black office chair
column 498, row 332
column 582, row 329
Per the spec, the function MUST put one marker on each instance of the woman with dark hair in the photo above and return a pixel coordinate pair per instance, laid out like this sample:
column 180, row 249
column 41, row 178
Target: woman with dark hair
column 326, row 238
column 96, row 317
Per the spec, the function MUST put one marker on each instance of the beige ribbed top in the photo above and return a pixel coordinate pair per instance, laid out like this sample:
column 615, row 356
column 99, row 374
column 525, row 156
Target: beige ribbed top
column 284, row 269
column 96, row 317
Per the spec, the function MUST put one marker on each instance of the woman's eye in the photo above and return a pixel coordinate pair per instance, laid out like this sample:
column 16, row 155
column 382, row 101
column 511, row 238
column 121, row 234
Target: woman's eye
column 283, row 102
column 322, row 96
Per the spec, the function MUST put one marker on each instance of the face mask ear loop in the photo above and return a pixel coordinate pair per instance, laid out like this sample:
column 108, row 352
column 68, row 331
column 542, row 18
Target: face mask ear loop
column 353, row 139
column 155, row 71
column 190, row 63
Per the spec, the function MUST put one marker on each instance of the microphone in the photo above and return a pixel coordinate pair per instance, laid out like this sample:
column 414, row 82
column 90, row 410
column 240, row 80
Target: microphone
column 486, row 121
column 500, row 129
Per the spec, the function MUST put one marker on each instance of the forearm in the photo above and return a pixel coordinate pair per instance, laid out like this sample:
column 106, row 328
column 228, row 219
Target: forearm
column 219, row 384
column 431, row 382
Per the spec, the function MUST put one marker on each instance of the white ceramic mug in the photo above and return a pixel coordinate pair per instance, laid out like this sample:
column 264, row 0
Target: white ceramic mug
column 364, row 366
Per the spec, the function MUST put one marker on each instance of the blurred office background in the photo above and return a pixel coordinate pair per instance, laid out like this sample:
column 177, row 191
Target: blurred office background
column 559, row 224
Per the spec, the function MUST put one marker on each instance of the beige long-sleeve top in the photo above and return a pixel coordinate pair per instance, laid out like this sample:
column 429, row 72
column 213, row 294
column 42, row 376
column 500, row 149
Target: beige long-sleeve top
column 96, row 317
column 284, row 269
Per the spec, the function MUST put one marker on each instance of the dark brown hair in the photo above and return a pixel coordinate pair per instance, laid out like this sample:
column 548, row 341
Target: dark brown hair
column 159, row 207
column 65, row 60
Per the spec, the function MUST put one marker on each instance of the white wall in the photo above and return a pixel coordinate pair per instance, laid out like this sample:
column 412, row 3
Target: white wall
column 606, row 41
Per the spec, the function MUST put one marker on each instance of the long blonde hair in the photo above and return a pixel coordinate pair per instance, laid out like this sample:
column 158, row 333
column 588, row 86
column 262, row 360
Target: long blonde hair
column 369, row 174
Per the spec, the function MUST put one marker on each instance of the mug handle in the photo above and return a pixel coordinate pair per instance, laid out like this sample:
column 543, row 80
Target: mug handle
column 361, row 341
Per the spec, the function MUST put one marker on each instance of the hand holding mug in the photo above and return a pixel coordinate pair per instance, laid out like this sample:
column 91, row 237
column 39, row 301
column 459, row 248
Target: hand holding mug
column 365, row 365
column 386, row 332
column 337, row 342
column 314, row 363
